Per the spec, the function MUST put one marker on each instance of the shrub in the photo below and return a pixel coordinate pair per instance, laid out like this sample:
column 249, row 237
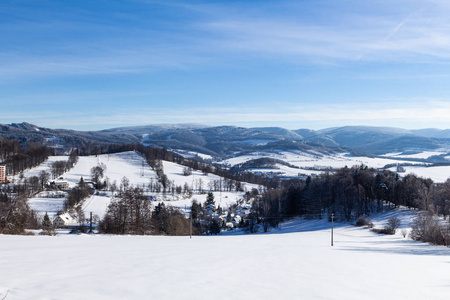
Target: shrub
column 426, row 228
column 393, row 224
column 362, row 221
column 385, row 230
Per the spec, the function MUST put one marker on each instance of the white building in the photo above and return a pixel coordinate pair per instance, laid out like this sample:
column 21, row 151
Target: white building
column 2, row 173
column 63, row 220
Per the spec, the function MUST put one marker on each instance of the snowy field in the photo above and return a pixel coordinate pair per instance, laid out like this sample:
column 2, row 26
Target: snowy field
column 304, row 160
column 128, row 164
column 294, row 262
column 437, row 174
column 131, row 166
column 119, row 165
column 420, row 155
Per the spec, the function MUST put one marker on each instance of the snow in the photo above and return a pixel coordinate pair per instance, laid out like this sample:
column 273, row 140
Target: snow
column 257, row 142
column 97, row 204
column 192, row 154
column 310, row 163
column 337, row 161
column 284, row 171
column 175, row 173
column 129, row 164
column 45, row 166
column 293, row 262
column 126, row 164
column 419, row 155
column 118, row 165
column 310, row 160
column 437, row 174
column 50, row 205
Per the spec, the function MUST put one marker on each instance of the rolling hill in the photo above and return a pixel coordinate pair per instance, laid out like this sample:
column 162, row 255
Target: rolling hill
column 227, row 141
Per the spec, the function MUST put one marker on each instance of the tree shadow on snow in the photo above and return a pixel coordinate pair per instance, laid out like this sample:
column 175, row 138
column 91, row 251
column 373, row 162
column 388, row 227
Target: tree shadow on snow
column 399, row 247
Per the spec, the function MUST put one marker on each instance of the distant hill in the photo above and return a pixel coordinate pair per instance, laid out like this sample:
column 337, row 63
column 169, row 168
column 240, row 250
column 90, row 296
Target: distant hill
column 223, row 141
column 432, row 133
column 379, row 140
column 25, row 133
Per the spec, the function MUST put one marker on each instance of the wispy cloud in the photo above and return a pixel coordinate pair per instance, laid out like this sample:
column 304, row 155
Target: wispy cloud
column 404, row 36
column 227, row 33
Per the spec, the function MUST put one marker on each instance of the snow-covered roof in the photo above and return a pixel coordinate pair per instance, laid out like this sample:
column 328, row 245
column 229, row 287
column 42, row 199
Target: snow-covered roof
column 66, row 217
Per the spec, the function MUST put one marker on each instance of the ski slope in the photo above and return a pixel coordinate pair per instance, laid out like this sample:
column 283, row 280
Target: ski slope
column 293, row 262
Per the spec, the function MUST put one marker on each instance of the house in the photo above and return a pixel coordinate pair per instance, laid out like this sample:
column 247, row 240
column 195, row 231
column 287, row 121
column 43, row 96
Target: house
column 400, row 169
column 63, row 220
column 61, row 184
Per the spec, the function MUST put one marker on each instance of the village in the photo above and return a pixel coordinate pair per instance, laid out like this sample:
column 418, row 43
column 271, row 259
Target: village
column 128, row 169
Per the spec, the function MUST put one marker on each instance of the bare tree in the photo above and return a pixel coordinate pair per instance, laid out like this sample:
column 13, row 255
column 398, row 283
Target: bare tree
column 58, row 168
column 393, row 223
column 44, row 176
column 97, row 173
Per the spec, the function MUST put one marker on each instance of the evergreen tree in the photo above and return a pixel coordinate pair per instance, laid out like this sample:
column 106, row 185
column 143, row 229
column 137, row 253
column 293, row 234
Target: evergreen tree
column 210, row 199
column 214, row 227
column 47, row 226
column 46, row 222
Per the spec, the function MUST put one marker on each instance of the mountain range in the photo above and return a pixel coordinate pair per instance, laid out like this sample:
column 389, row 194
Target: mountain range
column 223, row 141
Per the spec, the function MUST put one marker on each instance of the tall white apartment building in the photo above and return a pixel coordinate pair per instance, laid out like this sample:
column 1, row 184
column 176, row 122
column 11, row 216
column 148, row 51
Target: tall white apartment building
column 2, row 173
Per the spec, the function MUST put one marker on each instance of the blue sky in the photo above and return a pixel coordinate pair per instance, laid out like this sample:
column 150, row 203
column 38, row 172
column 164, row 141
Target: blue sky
column 91, row 65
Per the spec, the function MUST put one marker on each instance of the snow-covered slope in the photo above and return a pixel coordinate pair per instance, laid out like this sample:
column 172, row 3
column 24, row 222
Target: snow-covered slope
column 313, row 162
column 140, row 174
column 118, row 165
column 294, row 262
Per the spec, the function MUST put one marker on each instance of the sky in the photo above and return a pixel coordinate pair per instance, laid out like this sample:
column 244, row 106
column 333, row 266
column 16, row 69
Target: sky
column 90, row 65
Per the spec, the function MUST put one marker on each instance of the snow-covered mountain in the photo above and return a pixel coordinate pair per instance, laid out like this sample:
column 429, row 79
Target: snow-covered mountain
column 224, row 141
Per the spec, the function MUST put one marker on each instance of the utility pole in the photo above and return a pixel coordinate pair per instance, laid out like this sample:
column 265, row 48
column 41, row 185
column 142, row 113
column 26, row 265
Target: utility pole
column 190, row 225
column 332, row 219
column 279, row 213
column 90, row 224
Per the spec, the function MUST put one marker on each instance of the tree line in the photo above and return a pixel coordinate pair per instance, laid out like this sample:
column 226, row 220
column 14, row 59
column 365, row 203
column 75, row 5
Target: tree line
column 17, row 159
column 153, row 156
column 349, row 193
column 131, row 213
